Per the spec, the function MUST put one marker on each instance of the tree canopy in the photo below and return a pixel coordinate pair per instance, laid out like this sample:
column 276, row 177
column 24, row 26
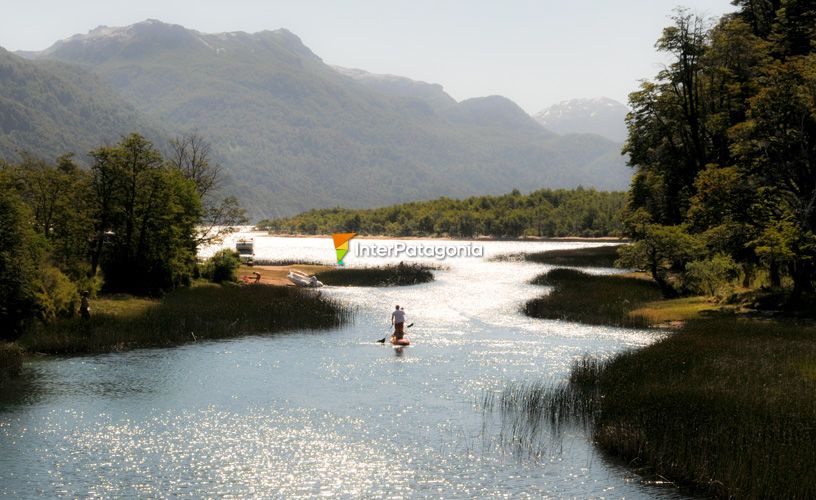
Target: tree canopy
column 547, row 213
column 131, row 223
column 723, row 142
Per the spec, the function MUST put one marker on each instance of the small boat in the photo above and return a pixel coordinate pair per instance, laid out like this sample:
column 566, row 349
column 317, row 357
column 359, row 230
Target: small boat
column 304, row 280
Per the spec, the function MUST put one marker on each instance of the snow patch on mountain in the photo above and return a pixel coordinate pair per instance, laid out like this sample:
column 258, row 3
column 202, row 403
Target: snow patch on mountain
column 599, row 115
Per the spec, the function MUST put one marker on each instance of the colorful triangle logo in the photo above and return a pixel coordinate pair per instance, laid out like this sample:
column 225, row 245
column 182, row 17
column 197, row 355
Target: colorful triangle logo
column 341, row 245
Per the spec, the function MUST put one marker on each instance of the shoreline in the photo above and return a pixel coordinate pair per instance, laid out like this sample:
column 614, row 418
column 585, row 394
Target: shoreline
column 276, row 275
column 565, row 239
column 707, row 405
column 204, row 311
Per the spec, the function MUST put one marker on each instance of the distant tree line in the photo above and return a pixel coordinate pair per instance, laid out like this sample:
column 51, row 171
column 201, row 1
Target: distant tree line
column 546, row 213
column 723, row 142
column 131, row 223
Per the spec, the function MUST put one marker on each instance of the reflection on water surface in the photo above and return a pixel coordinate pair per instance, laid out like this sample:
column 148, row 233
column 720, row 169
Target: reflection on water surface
column 311, row 413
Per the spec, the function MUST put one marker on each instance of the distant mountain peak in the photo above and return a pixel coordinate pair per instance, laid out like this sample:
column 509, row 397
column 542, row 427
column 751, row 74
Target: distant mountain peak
column 597, row 115
column 494, row 110
column 104, row 42
column 431, row 93
column 104, row 32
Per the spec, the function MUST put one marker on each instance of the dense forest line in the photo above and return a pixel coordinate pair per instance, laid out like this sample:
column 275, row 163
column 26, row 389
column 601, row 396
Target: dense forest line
column 132, row 223
column 723, row 142
column 543, row 213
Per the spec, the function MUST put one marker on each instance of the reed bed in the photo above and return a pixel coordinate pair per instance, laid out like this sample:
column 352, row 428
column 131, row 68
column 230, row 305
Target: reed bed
column 536, row 414
column 287, row 262
column 724, row 407
column 391, row 275
column 536, row 406
column 604, row 256
column 590, row 299
column 186, row 315
column 724, row 404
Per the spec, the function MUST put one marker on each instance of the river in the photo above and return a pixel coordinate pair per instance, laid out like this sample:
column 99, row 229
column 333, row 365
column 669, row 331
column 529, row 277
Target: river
column 322, row 413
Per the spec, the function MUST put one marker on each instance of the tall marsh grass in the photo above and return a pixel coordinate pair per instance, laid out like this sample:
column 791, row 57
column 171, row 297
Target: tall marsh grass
column 200, row 312
column 724, row 406
column 287, row 262
column 728, row 405
column 535, row 414
column 591, row 299
column 604, row 256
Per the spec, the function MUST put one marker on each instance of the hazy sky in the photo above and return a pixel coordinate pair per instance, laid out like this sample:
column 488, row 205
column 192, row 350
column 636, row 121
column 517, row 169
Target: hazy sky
column 534, row 52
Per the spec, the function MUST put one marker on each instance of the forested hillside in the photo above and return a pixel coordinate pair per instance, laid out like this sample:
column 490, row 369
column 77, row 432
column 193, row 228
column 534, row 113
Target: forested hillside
column 578, row 212
column 49, row 108
column 294, row 133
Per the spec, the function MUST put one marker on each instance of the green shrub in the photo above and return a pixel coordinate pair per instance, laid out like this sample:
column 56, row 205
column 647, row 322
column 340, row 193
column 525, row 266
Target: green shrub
column 57, row 296
column 713, row 277
column 20, row 250
column 222, row 266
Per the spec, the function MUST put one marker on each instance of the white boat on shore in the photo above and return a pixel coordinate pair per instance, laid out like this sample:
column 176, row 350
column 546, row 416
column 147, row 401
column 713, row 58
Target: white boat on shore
column 303, row 280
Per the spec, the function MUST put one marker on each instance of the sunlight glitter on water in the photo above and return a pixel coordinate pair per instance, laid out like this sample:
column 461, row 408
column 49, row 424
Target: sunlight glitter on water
column 307, row 414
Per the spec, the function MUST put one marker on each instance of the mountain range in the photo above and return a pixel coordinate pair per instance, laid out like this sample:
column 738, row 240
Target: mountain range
column 601, row 115
column 291, row 132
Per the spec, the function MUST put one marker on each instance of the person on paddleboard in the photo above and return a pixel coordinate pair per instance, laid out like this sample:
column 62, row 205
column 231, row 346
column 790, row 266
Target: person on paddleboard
column 398, row 320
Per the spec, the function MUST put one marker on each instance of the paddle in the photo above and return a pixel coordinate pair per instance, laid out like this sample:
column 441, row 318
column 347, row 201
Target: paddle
column 382, row 340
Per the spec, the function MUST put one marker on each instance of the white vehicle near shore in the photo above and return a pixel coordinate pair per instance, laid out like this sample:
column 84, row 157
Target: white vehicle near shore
column 246, row 249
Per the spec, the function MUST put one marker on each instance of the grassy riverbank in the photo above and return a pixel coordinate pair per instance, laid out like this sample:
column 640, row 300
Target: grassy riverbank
column 186, row 315
column 596, row 300
column 392, row 275
column 724, row 405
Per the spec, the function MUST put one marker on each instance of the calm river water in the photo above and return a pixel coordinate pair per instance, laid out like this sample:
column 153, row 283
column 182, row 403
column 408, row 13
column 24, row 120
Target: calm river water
column 322, row 413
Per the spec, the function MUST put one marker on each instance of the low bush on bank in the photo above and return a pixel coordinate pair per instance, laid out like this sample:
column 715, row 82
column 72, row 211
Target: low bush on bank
column 200, row 312
column 11, row 361
column 222, row 266
column 596, row 300
column 393, row 275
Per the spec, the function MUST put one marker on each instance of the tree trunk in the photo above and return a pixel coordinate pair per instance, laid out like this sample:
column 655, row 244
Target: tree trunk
column 773, row 272
column 802, row 280
column 748, row 272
